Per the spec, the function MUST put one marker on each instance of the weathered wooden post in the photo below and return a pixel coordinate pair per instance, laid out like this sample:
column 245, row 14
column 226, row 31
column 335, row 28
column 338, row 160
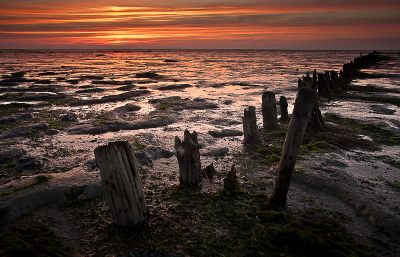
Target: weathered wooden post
column 188, row 154
column 231, row 183
column 314, row 80
column 284, row 105
column 303, row 106
column 121, row 182
column 250, row 130
column 269, row 113
column 300, row 84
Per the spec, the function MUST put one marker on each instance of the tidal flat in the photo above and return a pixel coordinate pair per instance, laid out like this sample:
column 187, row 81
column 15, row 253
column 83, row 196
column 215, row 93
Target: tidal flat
column 58, row 106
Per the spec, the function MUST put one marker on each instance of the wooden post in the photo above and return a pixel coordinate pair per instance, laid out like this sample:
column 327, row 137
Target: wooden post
column 269, row 113
column 284, row 105
column 231, row 183
column 121, row 182
column 300, row 84
column 250, row 126
column 188, row 154
column 303, row 106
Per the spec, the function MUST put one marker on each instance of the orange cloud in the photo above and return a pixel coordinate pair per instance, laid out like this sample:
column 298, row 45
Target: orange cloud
column 128, row 25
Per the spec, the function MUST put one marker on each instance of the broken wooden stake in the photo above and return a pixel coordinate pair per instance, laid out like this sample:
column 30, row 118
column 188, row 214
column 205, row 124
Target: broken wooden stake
column 231, row 183
column 250, row 129
column 269, row 113
column 303, row 106
column 121, row 182
column 283, row 105
column 188, row 154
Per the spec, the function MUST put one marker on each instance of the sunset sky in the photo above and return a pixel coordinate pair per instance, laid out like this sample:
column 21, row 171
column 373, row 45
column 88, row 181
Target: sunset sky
column 220, row 24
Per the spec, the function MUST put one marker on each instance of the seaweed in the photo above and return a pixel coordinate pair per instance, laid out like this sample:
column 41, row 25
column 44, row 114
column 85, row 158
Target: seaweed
column 36, row 240
column 37, row 180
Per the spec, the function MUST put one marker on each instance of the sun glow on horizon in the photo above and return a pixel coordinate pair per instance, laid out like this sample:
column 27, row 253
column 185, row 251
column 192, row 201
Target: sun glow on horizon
column 124, row 25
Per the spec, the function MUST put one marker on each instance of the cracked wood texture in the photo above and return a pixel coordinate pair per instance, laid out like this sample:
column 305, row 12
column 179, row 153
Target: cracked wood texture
column 188, row 154
column 121, row 182
column 250, row 129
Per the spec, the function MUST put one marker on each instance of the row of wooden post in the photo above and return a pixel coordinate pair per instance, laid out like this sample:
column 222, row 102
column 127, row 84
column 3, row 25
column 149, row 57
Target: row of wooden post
column 120, row 173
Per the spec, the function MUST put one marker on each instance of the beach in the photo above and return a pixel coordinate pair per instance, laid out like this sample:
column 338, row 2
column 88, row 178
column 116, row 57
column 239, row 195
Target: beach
column 57, row 106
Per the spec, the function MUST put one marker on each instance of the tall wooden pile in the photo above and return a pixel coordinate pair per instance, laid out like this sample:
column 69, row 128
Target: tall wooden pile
column 121, row 182
column 303, row 106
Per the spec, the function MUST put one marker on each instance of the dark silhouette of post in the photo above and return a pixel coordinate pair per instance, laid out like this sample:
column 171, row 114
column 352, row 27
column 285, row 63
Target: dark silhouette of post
column 250, row 130
column 188, row 154
column 121, row 182
column 303, row 106
column 284, row 105
column 269, row 113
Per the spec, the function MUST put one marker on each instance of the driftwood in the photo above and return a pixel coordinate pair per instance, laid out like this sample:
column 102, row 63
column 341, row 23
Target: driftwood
column 269, row 113
column 188, row 154
column 303, row 106
column 121, row 182
column 250, row 129
column 284, row 105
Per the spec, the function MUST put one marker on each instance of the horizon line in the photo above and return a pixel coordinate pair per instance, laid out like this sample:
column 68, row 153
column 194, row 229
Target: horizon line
column 188, row 49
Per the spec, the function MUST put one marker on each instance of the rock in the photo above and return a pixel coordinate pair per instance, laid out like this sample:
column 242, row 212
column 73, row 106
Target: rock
column 86, row 128
column 90, row 90
column 142, row 158
column 18, row 74
column 172, row 87
column 125, row 88
column 24, row 131
column 225, row 133
column 157, row 152
column 69, row 117
column 149, row 75
column 10, row 153
column 228, row 102
column 128, row 108
column 170, row 60
column 111, row 98
column 91, row 166
column 51, row 132
column 214, row 151
column 378, row 109
column 209, row 171
column 28, row 163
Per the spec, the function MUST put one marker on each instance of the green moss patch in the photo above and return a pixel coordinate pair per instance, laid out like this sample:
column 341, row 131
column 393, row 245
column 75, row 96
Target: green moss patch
column 245, row 225
column 37, row 180
column 36, row 240
column 380, row 135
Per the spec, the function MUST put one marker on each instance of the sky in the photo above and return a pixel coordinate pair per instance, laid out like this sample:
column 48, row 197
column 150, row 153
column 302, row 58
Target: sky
column 209, row 24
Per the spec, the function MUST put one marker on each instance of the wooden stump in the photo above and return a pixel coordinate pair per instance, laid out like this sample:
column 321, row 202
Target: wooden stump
column 284, row 105
column 250, row 129
column 188, row 154
column 231, row 183
column 303, row 106
column 121, row 182
column 314, row 80
column 300, row 84
column 269, row 113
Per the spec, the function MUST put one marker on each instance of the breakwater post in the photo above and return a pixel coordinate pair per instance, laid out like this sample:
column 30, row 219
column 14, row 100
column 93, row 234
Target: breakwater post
column 303, row 106
column 188, row 154
column 283, row 104
column 121, row 182
column 269, row 113
column 250, row 130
